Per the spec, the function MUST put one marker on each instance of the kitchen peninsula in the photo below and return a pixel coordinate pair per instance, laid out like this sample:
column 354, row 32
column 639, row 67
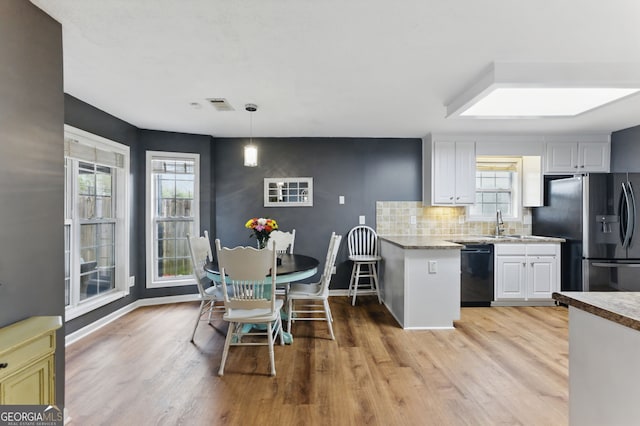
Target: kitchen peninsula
column 604, row 343
column 420, row 282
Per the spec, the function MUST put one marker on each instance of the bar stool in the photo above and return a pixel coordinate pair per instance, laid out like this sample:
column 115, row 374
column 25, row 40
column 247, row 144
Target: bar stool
column 363, row 251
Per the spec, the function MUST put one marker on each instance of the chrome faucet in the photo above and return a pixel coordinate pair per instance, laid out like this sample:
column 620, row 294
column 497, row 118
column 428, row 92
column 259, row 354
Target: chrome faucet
column 499, row 223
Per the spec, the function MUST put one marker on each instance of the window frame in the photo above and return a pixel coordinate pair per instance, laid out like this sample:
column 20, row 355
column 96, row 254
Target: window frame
column 121, row 205
column 516, row 191
column 152, row 280
column 293, row 185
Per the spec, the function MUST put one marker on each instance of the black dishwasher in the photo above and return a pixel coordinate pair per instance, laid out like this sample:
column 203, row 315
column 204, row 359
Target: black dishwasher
column 476, row 280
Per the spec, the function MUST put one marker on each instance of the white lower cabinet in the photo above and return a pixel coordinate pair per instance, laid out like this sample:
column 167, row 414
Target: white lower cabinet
column 526, row 271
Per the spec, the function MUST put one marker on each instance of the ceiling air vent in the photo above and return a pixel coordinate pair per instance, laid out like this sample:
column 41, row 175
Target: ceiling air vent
column 220, row 104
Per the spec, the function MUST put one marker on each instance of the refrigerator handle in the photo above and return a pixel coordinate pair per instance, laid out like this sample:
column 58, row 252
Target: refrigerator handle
column 622, row 211
column 632, row 213
column 615, row 265
column 626, row 220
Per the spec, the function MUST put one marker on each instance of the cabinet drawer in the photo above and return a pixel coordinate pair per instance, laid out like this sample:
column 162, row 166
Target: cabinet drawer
column 510, row 249
column 541, row 249
column 22, row 355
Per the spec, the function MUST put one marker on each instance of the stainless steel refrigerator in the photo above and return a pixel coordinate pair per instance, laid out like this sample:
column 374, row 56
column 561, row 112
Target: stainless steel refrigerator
column 598, row 216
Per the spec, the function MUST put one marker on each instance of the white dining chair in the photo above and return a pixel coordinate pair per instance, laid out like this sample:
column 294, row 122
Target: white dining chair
column 310, row 302
column 211, row 299
column 284, row 241
column 363, row 252
column 249, row 297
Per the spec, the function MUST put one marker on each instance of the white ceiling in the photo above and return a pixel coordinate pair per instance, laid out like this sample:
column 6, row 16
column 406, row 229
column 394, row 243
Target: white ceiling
column 350, row 68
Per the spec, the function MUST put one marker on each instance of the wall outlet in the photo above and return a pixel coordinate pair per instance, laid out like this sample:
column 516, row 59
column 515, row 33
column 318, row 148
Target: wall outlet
column 132, row 281
column 433, row 266
column 526, row 219
column 412, row 220
column 361, row 220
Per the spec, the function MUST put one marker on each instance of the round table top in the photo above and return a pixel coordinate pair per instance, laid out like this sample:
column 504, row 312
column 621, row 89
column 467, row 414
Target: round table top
column 292, row 265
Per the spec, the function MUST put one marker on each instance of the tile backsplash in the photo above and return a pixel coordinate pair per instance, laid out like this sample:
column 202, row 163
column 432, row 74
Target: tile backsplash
column 394, row 218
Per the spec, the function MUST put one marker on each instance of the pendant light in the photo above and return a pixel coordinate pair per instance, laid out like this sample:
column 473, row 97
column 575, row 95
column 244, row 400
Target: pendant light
column 251, row 151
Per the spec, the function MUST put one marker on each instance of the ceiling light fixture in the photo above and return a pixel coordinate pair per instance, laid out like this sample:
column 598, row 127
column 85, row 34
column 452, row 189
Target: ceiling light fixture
column 251, row 151
column 521, row 90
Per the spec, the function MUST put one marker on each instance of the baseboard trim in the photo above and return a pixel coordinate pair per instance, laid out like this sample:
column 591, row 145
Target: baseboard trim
column 524, row 303
column 72, row 338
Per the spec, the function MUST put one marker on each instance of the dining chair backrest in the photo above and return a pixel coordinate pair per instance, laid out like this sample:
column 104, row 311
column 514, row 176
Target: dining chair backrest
column 362, row 240
column 330, row 262
column 284, row 241
column 200, row 250
column 244, row 274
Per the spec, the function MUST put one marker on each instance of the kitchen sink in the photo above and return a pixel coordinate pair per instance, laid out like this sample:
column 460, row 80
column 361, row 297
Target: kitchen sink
column 514, row 237
column 525, row 237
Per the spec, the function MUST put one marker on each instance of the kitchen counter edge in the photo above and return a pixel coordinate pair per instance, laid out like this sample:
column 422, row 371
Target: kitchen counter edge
column 425, row 243
column 620, row 307
column 457, row 241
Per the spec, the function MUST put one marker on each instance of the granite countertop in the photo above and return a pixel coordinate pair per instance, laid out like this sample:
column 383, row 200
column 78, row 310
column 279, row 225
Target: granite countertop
column 619, row 307
column 455, row 241
column 507, row 239
column 419, row 242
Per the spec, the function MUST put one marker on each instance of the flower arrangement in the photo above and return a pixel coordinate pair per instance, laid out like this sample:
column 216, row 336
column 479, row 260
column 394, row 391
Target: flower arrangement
column 261, row 227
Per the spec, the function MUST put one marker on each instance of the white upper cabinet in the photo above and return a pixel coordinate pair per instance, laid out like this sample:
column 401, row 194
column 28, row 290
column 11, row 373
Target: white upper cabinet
column 532, row 187
column 577, row 156
column 449, row 172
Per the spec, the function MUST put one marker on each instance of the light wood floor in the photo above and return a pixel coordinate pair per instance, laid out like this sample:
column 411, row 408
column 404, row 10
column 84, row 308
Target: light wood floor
column 499, row 366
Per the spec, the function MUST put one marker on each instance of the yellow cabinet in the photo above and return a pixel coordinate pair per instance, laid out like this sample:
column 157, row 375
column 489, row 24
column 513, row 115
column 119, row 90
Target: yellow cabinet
column 27, row 367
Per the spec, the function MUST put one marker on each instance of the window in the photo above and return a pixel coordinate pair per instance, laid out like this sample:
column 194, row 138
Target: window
column 172, row 208
column 288, row 192
column 96, row 240
column 497, row 188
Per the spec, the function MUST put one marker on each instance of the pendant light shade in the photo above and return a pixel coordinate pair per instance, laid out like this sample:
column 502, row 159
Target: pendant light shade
column 251, row 151
column 250, row 156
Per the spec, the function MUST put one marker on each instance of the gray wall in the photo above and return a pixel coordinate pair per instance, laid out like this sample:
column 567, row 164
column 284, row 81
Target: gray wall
column 88, row 118
column 364, row 170
column 31, row 169
column 625, row 150
column 150, row 140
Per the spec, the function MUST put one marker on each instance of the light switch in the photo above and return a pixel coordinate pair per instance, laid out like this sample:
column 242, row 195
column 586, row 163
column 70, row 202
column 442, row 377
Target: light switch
column 412, row 220
column 341, row 199
column 361, row 220
column 433, row 266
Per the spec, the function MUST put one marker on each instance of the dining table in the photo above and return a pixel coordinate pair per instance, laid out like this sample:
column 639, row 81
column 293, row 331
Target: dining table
column 290, row 268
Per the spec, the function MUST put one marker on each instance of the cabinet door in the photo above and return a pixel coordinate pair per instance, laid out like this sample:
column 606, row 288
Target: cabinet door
column 465, row 173
column 444, row 168
column 532, row 182
column 32, row 385
column 541, row 276
column 561, row 157
column 594, row 156
column 510, row 277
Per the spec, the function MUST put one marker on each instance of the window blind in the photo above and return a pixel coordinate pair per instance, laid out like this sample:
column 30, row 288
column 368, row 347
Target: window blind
column 82, row 152
column 496, row 166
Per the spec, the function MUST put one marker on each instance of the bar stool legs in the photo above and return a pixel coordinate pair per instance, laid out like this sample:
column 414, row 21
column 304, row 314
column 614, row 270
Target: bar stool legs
column 366, row 270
